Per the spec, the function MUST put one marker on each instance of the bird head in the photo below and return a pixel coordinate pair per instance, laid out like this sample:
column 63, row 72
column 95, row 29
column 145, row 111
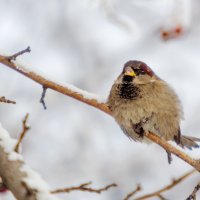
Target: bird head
column 137, row 72
column 130, row 82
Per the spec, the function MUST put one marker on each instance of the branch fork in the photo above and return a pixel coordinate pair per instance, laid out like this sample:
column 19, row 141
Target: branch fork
column 84, row 187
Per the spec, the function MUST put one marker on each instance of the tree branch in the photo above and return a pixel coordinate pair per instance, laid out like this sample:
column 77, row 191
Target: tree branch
column 92, row 100
column 137, row 189
column 168, row 187
column 4, row 100
column 42, row 97
column 84, row 187
column 24, row 131
column 14, row 56
column 193, row 195
column 24, row 183
column 161, row 142
column 68, row 90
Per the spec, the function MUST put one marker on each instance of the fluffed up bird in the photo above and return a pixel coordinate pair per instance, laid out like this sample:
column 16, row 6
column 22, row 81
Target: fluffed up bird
column 141, row 102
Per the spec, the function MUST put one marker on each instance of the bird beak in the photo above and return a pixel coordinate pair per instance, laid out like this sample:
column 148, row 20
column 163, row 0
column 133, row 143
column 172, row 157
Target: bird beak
column 129, row 72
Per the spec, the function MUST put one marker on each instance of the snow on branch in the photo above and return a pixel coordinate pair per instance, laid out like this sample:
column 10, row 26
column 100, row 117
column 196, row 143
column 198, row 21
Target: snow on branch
column 19, row 178
column 91, row 100
column 4, row 100
column 66, row 89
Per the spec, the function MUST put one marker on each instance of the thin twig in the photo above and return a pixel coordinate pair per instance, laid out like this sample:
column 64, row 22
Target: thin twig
column 138, row 188
column 24, row 131
column 4, row 100
column 168, row 187
column 193, row 195
column 161, row 197
column 95, row 103
column 84, row 187
column 14, row 56
column 43, row 96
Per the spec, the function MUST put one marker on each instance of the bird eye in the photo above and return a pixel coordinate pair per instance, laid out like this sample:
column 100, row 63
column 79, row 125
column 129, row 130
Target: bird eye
column 139, row 71
column 142, row 72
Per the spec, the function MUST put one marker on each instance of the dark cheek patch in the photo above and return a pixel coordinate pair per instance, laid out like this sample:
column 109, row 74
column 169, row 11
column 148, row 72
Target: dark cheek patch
column 127, row 79
column 128, row 91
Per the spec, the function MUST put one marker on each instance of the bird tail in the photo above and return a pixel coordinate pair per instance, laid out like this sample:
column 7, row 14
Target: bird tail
column 184, row 141
column 189, row 142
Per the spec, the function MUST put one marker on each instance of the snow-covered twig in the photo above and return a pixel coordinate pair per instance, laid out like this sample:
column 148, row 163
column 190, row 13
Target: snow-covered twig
column 94, row 101
column 20, row 179
column 66, row 89
column 4, row 100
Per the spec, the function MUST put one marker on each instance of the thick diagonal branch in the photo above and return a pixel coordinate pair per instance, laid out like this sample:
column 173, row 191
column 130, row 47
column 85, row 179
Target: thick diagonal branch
column 68, row 90
column 92, row 100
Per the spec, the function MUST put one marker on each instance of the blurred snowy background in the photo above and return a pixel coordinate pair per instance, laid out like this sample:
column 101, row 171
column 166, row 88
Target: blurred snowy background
column 86, row 43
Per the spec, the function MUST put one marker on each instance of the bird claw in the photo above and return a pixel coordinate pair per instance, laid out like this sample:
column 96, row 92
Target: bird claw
column 169, row 157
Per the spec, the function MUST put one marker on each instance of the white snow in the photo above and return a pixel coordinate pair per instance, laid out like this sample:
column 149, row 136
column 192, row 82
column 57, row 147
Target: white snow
column 180, row 15
column 33, row 179
column 20, row 67
column 8, row 145
column 76, row 42
column 84, row 93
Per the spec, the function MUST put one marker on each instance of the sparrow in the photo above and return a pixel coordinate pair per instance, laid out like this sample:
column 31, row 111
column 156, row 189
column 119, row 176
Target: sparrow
column 141, row 102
